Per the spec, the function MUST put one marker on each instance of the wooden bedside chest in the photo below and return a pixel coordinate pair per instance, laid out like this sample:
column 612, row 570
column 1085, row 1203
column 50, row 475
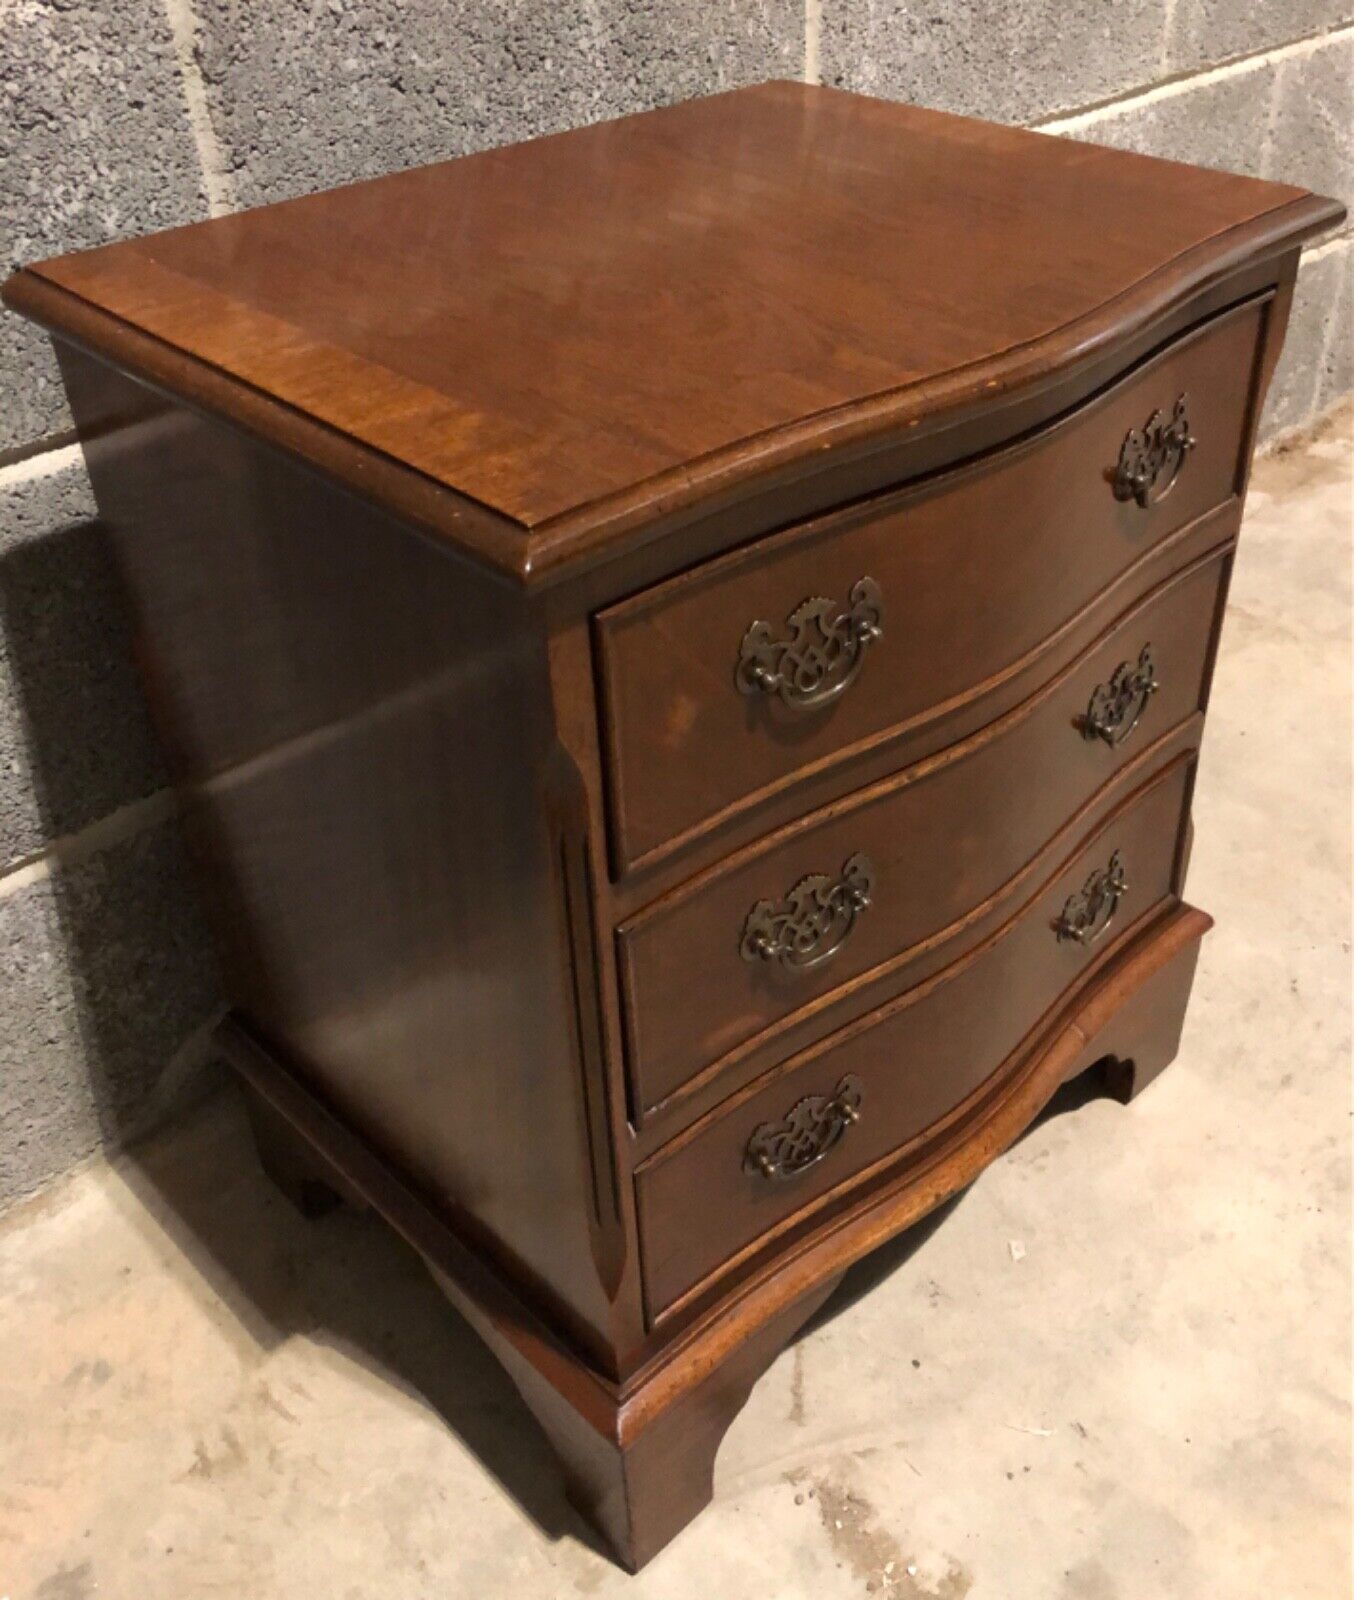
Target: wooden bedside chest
column 684, row 645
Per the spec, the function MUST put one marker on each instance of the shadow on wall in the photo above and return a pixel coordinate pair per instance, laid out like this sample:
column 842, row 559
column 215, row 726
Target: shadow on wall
column 107, row 982
column 106, row 977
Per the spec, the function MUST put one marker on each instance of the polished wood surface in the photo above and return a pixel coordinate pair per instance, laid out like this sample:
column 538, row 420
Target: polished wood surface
column 940, row 727
column 944, row 837
column 917, row 1060
column 853, row 1000
column 1125, row 1026
column 686, row 748
column 330, row 691
column 566, row 333
column 479, row 852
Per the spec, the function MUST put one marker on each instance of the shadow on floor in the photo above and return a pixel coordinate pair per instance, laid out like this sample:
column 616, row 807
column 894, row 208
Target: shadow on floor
column 348, row 1281
column 881, row 1263
column 116, row 952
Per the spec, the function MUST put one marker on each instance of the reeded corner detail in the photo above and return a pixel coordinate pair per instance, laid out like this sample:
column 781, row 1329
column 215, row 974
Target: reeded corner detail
column 820, row 653
column 782, row 1150
column 1150, row 457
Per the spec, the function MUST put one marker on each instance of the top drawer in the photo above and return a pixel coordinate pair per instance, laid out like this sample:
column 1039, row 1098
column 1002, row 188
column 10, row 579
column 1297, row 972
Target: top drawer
column 928, row 595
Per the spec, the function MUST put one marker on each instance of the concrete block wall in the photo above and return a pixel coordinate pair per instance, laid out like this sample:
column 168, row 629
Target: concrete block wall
column 118, row 117
column 1258, row 86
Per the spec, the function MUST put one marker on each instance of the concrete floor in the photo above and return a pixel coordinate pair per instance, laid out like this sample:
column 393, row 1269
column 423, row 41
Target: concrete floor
column 201, row 1395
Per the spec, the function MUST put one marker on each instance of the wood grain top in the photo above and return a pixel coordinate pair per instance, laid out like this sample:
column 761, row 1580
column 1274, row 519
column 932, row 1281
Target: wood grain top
column 561, row 335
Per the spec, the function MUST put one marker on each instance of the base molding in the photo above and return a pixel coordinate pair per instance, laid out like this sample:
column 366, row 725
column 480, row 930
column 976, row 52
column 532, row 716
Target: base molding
column 639, row 1456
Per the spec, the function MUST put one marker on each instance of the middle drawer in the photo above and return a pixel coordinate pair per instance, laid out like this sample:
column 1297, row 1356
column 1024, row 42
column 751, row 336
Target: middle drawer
column 855, row 886
column 854, row 1106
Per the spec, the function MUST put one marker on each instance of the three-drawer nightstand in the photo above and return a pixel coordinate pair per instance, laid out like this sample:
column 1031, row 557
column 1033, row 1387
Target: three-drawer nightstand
column 684, row 645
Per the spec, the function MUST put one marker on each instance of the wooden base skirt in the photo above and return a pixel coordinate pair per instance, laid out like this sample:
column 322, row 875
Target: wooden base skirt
column 639, row 1456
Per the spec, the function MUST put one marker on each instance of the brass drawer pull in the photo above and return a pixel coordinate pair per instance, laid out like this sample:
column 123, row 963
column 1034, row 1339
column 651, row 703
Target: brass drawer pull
column 1150, row 457
column 1089, row 912
column 781, row 1150
column 813, row 921
column 823, row 653
column 1116, row 707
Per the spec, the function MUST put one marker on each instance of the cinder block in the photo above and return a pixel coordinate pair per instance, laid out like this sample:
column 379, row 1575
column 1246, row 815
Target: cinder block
column 1312, row 126
column 1291, row 120
column 95, row 144
column 1317, row 365
column 1202, row 33
column 1219, row 124
column 320, row 92
column 105, row 973
column 1337, row 362
column 993, row 58
column 74, row 739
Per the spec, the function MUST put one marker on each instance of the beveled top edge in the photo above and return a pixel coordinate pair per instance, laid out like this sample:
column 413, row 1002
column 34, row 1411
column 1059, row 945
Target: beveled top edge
column 533, row 551
column 583, row 538
column 921, row 408
column 485, row 536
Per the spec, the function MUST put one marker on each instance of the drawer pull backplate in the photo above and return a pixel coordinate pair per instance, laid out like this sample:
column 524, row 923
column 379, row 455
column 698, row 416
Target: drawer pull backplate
column 822, row 654
column 1089, row 912
column 1116, row 707
column 1150, row 457
column 814, row 919
column 780, row 1150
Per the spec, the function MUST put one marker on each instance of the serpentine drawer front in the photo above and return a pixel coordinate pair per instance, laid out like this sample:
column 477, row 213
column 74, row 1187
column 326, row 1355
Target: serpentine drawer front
column 940, row 839
column 704, row 1198
column 794, row 652
column 685, row 654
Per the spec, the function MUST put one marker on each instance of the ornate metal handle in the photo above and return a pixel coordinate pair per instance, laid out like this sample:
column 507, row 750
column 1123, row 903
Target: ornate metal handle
column 1089, row 912
column 1150, row 457
column 781, row 1150
column 823, row 653
column 1116, row 707
column 813, row 921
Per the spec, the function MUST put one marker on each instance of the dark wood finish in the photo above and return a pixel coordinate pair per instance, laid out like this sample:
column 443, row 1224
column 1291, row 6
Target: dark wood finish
column 398, row 475
column 638, row 1457
column 936, row 732
column 1041, row 520
column 945, row 836
column 333, row 692
column 643, row 1479
column 840, row 1008
column 1142, row 1040
column 917, row 1059
column 640, row 1497
column 935, row 261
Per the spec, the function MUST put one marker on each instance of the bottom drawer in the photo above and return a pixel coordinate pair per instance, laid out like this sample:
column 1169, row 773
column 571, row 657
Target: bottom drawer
column 851, row 1100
